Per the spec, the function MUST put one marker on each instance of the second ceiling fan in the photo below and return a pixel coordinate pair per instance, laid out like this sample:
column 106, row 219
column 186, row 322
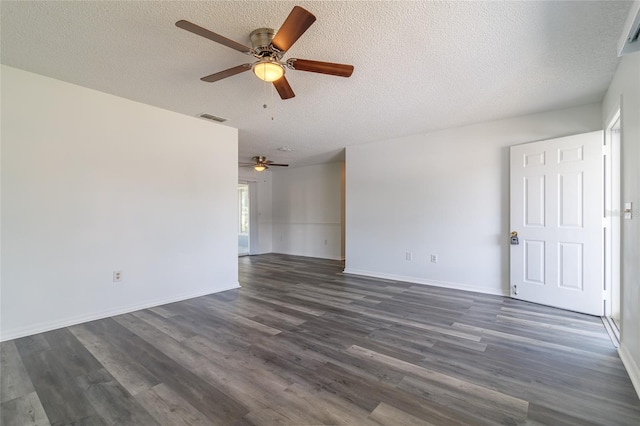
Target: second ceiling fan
column 260, row 163
column 268, row 47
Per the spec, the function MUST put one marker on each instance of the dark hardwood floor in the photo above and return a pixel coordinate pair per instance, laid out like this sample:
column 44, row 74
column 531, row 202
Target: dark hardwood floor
column 302, row 344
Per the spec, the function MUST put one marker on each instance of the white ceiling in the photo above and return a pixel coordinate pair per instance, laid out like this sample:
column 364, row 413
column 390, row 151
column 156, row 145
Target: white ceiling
column 419, row 66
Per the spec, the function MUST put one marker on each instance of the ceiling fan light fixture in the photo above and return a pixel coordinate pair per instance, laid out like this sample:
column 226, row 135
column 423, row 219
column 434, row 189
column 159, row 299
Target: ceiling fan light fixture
column 259, row 168
column 268, row 70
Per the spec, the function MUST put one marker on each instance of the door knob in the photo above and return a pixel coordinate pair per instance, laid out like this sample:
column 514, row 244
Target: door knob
column 514, row 239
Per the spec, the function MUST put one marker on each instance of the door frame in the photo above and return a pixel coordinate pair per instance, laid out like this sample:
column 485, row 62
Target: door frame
column 612, row 214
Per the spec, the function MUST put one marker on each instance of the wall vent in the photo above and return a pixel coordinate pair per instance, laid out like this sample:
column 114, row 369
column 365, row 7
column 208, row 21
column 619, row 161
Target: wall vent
column 212, row 117
column 630, row 39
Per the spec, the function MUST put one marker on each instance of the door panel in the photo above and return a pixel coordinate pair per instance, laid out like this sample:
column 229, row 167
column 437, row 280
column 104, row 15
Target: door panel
column 557, row 210
column 534, row 261
column 570, row 197
column 534, row 200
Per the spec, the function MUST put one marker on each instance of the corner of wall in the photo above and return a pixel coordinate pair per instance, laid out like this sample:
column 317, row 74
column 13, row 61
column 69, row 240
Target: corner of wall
column 632, row 367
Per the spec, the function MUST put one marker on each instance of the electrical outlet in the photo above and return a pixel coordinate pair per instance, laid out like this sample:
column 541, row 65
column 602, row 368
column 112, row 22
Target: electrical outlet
column 408, row 255
column 117, row 276
column 434, row 258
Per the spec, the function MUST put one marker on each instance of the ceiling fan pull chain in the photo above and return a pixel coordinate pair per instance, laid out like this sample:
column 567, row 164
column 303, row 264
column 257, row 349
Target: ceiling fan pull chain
column 264, row 94
column 271, row 92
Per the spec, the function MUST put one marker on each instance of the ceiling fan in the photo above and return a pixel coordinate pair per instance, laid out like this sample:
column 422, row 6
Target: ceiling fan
column 260, row 163
column 268, row 47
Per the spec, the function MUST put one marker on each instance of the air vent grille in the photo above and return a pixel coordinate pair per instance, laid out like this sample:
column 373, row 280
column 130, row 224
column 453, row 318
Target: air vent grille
column 212, row 117
column 630, row 39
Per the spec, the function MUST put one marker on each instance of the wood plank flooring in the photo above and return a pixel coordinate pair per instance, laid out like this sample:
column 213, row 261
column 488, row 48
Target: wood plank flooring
column 302, row 344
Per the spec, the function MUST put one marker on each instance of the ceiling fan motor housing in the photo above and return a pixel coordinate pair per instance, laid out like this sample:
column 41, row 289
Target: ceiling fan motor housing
column 261, row 42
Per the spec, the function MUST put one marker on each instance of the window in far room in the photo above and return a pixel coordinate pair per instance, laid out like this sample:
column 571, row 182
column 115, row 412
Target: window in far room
column 243, row 219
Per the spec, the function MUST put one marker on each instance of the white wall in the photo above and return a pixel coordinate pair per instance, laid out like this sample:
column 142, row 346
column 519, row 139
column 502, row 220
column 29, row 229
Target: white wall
column 260, row 183
column 443, row 193
column 624, row 92
column 307, row 211
column 93, row 183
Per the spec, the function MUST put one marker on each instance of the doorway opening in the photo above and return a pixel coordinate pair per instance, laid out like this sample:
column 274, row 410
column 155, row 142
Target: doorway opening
column 612, row 215
column 243, row 220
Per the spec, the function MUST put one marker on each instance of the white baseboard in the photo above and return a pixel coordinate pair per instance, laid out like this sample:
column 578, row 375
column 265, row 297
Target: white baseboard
column 43, row 327
column 328, row 257
column 422, row 281
column 631, row 366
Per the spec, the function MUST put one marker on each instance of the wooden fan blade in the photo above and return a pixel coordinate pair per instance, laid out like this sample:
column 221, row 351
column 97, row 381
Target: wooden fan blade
column 298, row 21
column 283, row 88
column 279, row 165
column 341, row 70
column 226, row 73
column 203, row 32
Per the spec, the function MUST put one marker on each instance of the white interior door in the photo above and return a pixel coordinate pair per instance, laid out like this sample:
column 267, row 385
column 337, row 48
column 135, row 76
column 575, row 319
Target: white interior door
column 557, row 211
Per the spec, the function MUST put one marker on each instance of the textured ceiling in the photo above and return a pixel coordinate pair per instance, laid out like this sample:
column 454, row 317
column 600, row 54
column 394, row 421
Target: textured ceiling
column 419, row 66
